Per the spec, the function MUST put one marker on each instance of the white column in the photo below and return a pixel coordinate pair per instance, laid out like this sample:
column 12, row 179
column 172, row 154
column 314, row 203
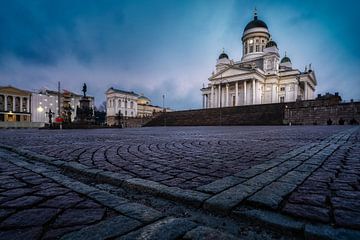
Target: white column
column 219, row 96
column 245, row 92
column 28, row 104
column 274, row 97
column 227, row 96
column 236, row 93
column 253, row 91
column 212, row 97
column 203, row 102
column 296, row 91
column 21, row 103
column 13, row 103
column 305, row 91
column 5, row 102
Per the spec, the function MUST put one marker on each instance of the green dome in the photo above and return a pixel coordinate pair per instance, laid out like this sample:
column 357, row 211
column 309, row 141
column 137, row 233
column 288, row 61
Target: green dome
column 285, row 59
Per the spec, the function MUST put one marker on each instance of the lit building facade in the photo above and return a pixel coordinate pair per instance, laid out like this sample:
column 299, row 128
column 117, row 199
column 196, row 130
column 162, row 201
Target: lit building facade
column 260, row 77
column 45, row 101
column 14, row 105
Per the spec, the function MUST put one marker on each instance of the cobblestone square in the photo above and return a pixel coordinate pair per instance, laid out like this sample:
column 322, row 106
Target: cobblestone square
column 72, row 183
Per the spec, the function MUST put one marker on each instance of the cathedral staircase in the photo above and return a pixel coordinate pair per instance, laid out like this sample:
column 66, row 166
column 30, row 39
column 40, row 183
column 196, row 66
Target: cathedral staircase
column 265, row 114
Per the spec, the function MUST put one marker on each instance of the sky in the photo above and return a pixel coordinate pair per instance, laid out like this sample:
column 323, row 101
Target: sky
column 156, row 47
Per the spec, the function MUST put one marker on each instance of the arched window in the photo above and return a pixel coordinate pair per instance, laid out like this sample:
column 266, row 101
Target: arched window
column 2, row 103
column 119, row 103
column 131, row 104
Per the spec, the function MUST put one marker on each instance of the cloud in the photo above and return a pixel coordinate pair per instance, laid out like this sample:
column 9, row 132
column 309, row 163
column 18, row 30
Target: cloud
column 163, row 47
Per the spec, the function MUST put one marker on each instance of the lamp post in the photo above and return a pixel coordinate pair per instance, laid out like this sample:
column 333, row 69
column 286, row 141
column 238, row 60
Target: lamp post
column 164, row 111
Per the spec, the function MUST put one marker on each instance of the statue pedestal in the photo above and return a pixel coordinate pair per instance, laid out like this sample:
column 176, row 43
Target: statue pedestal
column 84, row 113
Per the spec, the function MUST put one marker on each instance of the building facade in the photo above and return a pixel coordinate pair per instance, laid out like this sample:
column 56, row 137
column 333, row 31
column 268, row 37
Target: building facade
column 120, row 104
column 123, row 105
column 45, row 101
column 260, row 77
column 14, row 105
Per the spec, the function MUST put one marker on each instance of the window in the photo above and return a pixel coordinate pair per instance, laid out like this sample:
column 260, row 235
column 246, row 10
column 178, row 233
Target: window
column 257, row 48
column 17, row 104
column 282, row 99
column 282, row 89
column 131, row 104
column 262, row 48
column 2, row 102
column 24, row 105
column 251, row 49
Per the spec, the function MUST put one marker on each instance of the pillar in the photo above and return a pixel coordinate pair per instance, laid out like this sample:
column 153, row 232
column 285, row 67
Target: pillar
column 245, row 92
column 5, row 102
column 236, row 93
column 13, row 103
column 306, row 91
column 28, row 104
column 253, row 91
column 212, row 97
column 219, row 96
column 203, row 102
column 296, row 92
column 227, row 96
column 21, row 103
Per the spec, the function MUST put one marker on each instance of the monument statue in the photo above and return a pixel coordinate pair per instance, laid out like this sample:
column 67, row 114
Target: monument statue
column 84, row 89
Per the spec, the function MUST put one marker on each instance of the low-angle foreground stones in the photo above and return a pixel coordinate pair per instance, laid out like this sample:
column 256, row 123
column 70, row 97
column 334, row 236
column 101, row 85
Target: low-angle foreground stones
column 259, row 182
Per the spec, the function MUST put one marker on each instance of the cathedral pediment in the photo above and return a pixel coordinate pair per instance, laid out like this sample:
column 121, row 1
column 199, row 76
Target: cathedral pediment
column 230, row 72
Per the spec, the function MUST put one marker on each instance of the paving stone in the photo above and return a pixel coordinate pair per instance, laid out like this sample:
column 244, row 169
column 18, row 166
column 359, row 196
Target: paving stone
column 272, row 195
column 221, row 184
column 32, row 233
column 274, row 219
column 327, row 232
column 166, row 229
column 64, row 201
column 16, row 192
column 72, row 217
column 57, row 233
column 22, row 202
column 202, row 233
column 29, row 217
column 346, row 218
column 307, row 211
column 110, row 228
column 139, row 212
column 107, row 199
column 310, row 199
column 226, row 200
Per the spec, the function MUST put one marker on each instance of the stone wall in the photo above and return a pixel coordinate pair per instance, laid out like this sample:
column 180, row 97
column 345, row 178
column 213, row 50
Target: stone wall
column 298, row 113
column 319, row 112
column 269, row 114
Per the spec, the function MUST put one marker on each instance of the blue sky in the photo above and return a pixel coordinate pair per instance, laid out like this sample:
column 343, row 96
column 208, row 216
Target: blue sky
column 168, row 47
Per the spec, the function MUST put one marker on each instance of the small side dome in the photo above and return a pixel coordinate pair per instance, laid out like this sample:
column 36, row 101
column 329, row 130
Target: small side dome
column 143, row 100
column 271, row 43
column 223, row 55
column 285, row 59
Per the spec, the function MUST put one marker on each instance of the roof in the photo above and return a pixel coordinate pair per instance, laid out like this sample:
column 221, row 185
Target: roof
column 255, row 24
column 285, row 59
column 223, row 55
column 122, row 91
column 271, row 43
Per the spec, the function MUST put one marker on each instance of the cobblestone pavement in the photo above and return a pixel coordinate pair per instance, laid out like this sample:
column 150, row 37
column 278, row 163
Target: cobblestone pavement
column 303, row 179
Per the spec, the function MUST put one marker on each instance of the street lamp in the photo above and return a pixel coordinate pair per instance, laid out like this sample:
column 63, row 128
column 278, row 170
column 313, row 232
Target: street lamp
column 164, row 111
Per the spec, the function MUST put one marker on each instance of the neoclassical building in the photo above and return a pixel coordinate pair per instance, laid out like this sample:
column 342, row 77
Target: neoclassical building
column 124, row 104
column 260, row 77
column 14, row 105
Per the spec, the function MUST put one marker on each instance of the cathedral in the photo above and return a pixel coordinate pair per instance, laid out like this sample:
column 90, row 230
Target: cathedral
column 260, row 77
